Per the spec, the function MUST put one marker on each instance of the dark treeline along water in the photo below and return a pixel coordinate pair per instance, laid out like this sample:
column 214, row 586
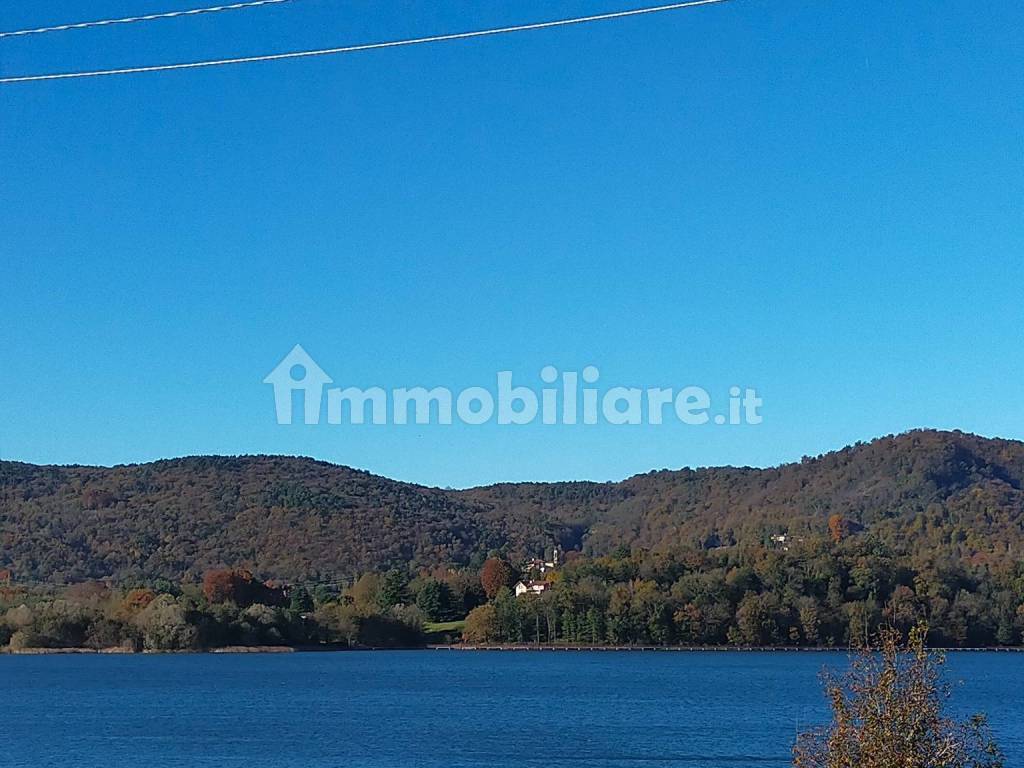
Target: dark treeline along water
column 442, row 708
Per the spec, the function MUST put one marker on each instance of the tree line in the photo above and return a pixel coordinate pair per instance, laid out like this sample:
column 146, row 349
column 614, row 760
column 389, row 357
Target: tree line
column 828, row 591
column 228, row 608
column 824, row 592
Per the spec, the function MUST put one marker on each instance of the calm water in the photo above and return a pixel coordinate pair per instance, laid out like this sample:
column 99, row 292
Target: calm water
column 440, row 709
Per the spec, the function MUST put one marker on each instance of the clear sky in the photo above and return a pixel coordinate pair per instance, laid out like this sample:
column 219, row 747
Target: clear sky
column 822, row 200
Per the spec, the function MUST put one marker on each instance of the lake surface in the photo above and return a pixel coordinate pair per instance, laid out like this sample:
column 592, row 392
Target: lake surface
column 434, row 709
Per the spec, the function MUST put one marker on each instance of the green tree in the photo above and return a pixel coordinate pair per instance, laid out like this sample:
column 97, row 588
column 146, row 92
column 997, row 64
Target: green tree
column 595, row 626
column 300, row 601
column 338, row 623
column 165, row 626
column 508, row 616
column 809, row 615
column 392, row 589
column 433, row 599
column 756, row 619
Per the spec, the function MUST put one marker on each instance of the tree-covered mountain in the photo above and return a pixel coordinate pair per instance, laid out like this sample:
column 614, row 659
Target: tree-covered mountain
column 300, row 519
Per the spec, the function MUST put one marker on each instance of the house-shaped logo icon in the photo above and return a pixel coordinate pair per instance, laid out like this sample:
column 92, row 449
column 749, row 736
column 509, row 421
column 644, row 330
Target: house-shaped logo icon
column 298, row 371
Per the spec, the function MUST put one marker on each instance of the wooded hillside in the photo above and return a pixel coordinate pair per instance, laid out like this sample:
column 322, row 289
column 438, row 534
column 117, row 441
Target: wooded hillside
column 300, row 519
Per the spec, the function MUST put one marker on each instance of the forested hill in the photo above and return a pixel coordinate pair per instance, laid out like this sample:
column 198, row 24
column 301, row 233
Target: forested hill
column 294, row 518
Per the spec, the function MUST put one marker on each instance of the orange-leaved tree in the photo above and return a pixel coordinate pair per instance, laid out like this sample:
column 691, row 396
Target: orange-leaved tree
column 495, row 574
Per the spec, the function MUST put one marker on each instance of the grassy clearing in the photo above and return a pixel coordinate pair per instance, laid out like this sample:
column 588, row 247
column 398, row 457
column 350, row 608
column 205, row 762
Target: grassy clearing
column 444, row 626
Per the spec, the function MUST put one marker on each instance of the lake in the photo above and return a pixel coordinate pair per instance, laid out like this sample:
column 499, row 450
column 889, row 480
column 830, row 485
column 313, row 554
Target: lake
column 442, row 709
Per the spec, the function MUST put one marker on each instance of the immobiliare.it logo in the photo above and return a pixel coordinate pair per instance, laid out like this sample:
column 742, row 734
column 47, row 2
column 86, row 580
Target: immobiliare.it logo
column 562, row 398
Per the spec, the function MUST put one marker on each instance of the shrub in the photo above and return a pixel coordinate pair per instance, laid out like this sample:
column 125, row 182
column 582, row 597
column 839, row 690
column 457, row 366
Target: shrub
column 888, row 711
column 165, row 627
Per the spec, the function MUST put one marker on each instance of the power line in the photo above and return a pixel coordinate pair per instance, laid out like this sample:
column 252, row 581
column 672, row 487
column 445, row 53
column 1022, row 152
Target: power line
column 364, row 46
column 147, row 17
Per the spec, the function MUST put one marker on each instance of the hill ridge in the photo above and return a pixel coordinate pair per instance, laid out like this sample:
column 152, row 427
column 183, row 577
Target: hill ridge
column 293, row 517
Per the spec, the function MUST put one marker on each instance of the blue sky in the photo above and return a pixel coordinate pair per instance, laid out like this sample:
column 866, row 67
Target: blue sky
column 820, row 200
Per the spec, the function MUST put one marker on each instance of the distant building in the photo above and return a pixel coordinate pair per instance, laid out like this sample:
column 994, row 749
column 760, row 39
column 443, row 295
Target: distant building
column 537, row 565
column 784, row 540
column 531, row 587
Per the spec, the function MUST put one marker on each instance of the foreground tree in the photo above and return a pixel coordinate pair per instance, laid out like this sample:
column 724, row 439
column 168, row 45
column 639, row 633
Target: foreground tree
column 888, row 712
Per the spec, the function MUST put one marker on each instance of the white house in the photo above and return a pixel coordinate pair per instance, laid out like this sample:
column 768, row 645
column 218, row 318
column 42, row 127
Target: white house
column 531, row 587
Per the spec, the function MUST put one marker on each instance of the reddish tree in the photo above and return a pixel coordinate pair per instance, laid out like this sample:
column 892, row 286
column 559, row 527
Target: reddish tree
column 238, row 586
column 138, row 599
column 220, row 585
column 496, row 573
column 837, row 528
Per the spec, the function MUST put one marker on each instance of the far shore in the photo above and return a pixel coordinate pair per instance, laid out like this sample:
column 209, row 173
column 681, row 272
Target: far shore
column 256, row 649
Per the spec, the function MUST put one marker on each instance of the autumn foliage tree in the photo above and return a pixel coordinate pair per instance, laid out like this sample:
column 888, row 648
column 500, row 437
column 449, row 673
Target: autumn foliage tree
column 481, row 625
column 238, row 586
column 495, row 574
column 137, row 600
column 888, row 712
column 837, row 528
column 221, row 585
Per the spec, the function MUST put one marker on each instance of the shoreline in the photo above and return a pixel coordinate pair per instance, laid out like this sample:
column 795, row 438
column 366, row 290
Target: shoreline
column 287, row 649
column 694, row 648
